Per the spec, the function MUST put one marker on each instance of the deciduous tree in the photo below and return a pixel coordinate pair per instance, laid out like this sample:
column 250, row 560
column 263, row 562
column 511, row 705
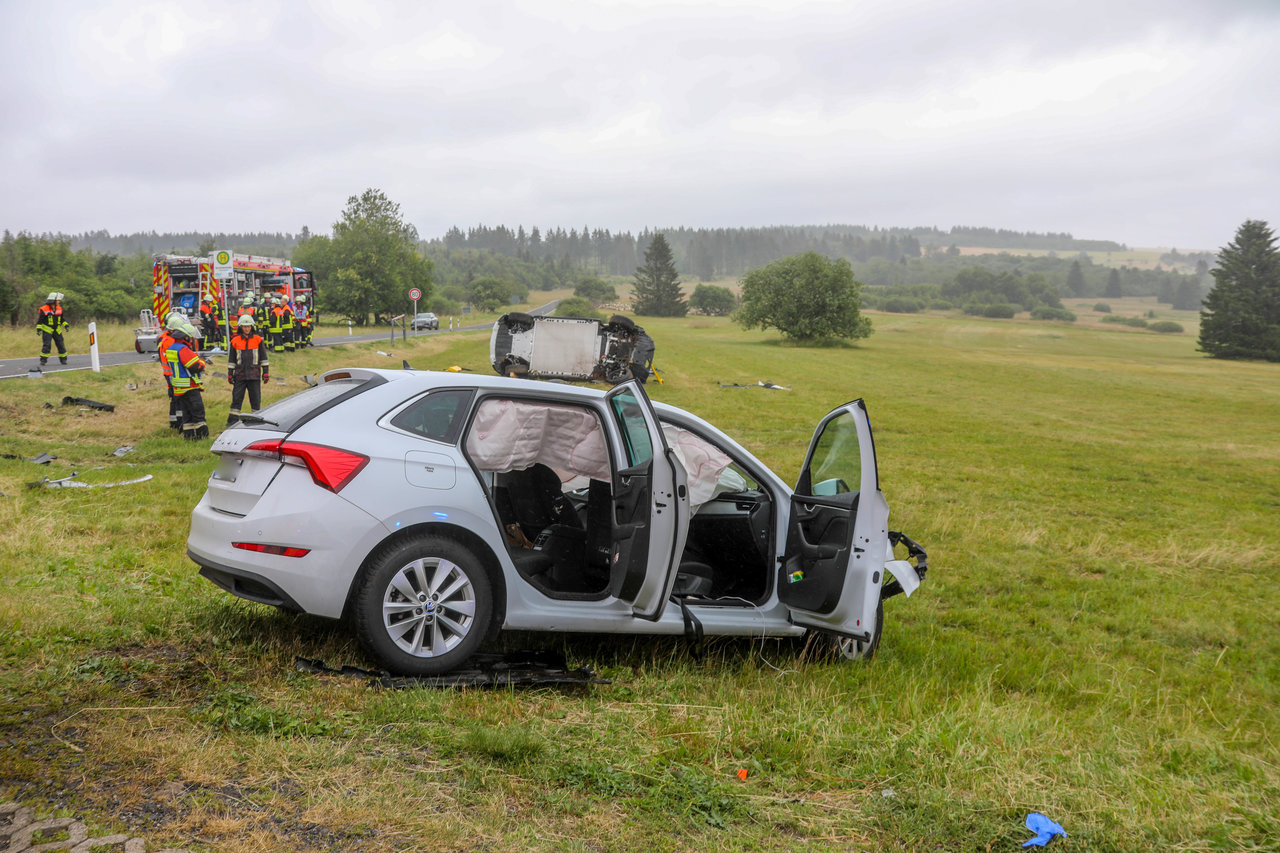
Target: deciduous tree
column 806, row 297
column 713, row 300
column 370, row 263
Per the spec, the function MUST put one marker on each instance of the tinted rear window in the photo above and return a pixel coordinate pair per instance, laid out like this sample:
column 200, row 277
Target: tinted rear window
column 293, row 411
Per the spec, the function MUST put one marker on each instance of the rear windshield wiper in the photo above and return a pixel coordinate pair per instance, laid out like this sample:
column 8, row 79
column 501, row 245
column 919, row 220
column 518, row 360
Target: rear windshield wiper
column 256, row 419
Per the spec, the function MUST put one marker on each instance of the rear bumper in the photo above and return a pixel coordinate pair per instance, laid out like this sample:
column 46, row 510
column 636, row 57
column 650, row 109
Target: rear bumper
column 337, row 535
column 246, row 585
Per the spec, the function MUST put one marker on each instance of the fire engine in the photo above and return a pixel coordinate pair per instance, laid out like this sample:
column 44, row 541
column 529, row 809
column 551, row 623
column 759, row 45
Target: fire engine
column 181, row 282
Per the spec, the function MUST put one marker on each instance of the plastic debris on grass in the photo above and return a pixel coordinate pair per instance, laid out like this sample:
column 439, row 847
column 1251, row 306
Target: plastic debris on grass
column 92, row 404
column 772, row 386
column 72, row 482
column 1044, row 828
column 515, row 669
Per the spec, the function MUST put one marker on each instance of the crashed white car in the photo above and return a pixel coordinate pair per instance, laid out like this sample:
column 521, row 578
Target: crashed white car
column 573, row 348
column 436, row 509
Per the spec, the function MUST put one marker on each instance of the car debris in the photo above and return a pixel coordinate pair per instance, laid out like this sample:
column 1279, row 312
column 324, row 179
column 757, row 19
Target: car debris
column 515, row 669
column 761, row 384
column 39, row 459
column 122, row 450
column 71, row 482
column 92, row 404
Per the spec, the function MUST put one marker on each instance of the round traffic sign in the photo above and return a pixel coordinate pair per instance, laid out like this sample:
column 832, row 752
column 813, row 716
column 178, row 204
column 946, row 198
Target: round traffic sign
column 415, row 294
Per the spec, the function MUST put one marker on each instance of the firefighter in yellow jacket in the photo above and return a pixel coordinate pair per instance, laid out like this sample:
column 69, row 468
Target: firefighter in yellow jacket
column 186, row 366
column 51, row 325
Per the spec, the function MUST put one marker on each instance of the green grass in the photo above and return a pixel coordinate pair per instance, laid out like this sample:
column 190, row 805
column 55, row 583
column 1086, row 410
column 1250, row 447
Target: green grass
column 1098, row 638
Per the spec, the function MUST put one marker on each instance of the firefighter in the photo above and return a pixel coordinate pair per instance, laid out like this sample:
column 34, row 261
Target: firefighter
column 173, row 322
column 301, row 311
column 246, row 307
column 210, row 323
column 51, row 325
column 290, row 323
column 275, row 325
column 247, row 367
column 261, row 312
column 186, row 365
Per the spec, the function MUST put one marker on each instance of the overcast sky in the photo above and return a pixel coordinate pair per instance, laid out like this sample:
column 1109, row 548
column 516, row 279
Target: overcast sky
column 1150, row 122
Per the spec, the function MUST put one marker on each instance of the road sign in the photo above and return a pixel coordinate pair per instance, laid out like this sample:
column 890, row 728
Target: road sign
column 415, row 294
column 222, row 264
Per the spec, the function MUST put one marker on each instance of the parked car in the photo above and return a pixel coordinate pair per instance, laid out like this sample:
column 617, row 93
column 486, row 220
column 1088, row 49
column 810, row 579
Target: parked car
column 437, row 508
column 573, row 348
column 424, row 320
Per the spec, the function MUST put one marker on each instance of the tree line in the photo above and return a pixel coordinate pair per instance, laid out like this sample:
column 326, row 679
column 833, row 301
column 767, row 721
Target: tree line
column 709, row 253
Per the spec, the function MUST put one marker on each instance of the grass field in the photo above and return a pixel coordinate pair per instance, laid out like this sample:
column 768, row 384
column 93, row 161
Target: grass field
column 1098, row 638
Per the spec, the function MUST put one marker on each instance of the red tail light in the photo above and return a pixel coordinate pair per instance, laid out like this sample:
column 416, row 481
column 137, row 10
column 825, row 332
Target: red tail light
column 330, row 467
column 278, row 550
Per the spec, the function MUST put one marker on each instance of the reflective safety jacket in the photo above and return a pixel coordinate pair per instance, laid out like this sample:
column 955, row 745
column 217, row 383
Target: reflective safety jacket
column 246, row 356
column 281, row 319
column 186, row 365
column 49, row 319
column 163, row 343
column 300, row 311
column 260, row 315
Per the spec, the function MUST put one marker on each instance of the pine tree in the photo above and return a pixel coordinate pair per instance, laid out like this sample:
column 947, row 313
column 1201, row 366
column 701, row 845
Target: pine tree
column 1075, row 279
column 1113, row 290
column 657, row 285
column 1241, row 315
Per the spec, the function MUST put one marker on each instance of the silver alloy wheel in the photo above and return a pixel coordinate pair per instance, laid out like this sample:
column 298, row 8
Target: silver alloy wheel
column 428, row 607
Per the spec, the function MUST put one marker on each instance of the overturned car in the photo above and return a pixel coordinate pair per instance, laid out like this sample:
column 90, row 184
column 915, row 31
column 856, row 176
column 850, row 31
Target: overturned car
column 572, row 348
column 435, row 509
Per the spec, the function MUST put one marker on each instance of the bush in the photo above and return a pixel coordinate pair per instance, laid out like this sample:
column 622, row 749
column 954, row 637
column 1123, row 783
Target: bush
column 712, row 300
column 445, row 307
column 1000, row 310
column 1136, row 322
column 940, row 305
column 1046, row 313
column 576, row 306
column 900, row 305
column 1102, row 308
column 1167, row 327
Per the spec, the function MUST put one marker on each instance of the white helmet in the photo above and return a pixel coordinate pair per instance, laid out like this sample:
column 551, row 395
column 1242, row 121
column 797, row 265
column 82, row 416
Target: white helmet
column 189, row 330
column 302, row 297
column 175, row 321
column 248, row 299
column 54, row 297
column 245, row 320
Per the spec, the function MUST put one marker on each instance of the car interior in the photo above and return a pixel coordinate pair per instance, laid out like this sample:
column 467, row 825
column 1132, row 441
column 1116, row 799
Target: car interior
column 559, row 523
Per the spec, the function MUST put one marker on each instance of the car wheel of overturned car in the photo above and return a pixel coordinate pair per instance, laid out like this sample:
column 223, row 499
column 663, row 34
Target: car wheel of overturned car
column 519, row 320
column 424, row 606
column 622, row 322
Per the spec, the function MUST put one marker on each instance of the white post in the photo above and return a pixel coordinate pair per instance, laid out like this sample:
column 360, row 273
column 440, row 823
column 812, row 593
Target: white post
column 93, row 348
column 415, row 316
column 348, row 328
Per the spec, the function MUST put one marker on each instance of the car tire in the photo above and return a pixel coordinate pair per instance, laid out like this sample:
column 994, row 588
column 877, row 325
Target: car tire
column 622, row 322
column 446, row 624
column 827, row 645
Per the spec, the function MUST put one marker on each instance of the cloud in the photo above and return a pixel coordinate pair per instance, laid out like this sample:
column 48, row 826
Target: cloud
column 1146, row 122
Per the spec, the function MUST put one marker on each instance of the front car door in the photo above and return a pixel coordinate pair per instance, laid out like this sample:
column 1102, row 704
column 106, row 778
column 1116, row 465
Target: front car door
column 838, row 531
column 650, row 506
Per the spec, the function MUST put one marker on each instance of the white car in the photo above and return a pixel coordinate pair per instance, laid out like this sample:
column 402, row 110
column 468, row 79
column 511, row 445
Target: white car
column 437, row 508
column 573, row 348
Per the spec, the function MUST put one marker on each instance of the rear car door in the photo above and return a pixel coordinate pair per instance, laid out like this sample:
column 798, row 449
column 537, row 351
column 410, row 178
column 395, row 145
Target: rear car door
column 837, row 532
column 650, row 506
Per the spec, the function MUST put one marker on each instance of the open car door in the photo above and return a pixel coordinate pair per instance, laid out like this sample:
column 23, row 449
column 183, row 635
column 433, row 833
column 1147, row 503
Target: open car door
column 838, row 531
column 650, row 506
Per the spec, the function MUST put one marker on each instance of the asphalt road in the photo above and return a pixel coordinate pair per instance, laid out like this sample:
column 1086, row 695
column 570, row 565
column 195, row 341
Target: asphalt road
column 15, row 367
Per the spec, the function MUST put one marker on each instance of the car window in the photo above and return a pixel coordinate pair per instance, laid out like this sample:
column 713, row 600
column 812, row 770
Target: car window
column 438, row 416
column 630, row 417
column 295, row 410
column 836, row 465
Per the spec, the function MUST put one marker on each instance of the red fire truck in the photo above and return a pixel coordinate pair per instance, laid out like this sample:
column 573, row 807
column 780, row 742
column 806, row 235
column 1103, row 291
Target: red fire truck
column 181, row 282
